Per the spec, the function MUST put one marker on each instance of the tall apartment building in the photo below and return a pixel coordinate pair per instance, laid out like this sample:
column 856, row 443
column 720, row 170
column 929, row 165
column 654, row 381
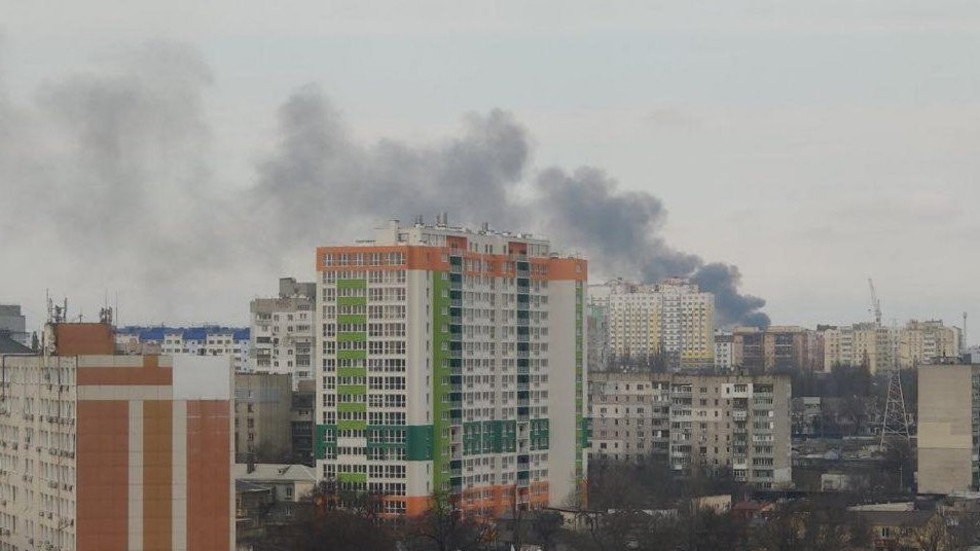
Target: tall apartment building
column 282, row 331
column 106, row 452
column 205, row 340
column 777, row 348
column 672, row 319
column 884, row 348
column 736, row 422
column 948, row 428
column 452, row 360
column 14, row 323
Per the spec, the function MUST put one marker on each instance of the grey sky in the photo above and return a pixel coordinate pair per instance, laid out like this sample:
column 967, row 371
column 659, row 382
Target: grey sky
column 811, row 144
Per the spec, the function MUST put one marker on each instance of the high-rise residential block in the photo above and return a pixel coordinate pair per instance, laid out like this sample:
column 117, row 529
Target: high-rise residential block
column 282, row 331
column 672, row 320
column 452, row 361
column 948, row 428
column 713, row 422
column 107, row 452
column 885, row 348
column 777, row 348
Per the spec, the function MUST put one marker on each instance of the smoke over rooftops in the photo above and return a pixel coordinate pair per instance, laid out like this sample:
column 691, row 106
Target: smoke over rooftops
column 119, row 162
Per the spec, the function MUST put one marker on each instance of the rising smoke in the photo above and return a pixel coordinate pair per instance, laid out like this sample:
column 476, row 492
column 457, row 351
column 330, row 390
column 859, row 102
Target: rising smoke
column 120, row 159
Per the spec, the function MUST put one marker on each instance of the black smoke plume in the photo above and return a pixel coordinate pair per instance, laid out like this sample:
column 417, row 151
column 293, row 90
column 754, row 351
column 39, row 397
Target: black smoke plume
column 319, row 174
column 116, row 166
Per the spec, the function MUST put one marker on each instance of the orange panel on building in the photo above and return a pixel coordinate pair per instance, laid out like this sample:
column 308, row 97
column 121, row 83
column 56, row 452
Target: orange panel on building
column 157, row 474
column 208, row 488
column 83, row 339
column 102, row 476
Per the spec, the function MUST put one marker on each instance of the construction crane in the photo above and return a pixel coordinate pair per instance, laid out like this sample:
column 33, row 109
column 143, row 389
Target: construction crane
column 875, row 303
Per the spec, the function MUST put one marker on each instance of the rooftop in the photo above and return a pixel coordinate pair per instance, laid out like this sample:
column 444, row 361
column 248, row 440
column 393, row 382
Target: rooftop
column 273, row 472
column 9, row 346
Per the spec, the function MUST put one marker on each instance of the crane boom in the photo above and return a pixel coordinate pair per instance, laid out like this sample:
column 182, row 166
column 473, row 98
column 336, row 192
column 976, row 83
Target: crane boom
column 875, row 303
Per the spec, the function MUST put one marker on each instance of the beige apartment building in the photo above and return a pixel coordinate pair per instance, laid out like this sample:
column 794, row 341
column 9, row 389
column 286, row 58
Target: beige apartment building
column 673, row 319
column 882, row 348
column 949, row 409
column 736, row 422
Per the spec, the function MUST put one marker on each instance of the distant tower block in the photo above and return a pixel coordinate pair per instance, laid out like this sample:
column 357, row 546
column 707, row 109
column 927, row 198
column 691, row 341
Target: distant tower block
column 895, row 421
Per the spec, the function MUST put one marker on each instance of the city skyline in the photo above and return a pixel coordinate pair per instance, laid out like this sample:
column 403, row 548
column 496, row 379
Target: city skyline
column 817, row 175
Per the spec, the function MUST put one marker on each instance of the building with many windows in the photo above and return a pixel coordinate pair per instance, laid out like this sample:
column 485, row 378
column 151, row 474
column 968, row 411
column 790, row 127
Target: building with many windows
column 736, row 422
column 202, row 340
column 282, row 331
column 672, row 321
column 777, row 348
column 884, row 348
column 108, row 452
column 451, row 360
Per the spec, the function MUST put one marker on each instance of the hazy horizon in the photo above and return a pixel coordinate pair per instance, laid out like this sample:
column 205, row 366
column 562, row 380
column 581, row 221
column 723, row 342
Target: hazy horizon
column 811, row 146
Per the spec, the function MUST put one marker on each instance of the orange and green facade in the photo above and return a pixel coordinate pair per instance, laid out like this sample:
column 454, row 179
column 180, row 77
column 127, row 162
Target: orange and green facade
column 451, row 362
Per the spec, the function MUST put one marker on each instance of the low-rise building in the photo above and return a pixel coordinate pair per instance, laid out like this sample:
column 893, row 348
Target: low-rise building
column 271, row 500
column 903, row 529
column 288, row 482
column 736, row 422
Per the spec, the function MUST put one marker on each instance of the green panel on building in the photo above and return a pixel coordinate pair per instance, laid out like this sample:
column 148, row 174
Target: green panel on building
column 356, row 390
column 353, row 336
column 352, row 372
column 352, row 354
column 351, row 301
column 441, row 374
column 351, row 425
column 420, row 440
column 352, row 477
column 352, row 407
column 352, row 284
column 353, row 319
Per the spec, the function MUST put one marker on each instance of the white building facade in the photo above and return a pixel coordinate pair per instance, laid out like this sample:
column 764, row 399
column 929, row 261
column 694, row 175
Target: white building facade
column 452, row 360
